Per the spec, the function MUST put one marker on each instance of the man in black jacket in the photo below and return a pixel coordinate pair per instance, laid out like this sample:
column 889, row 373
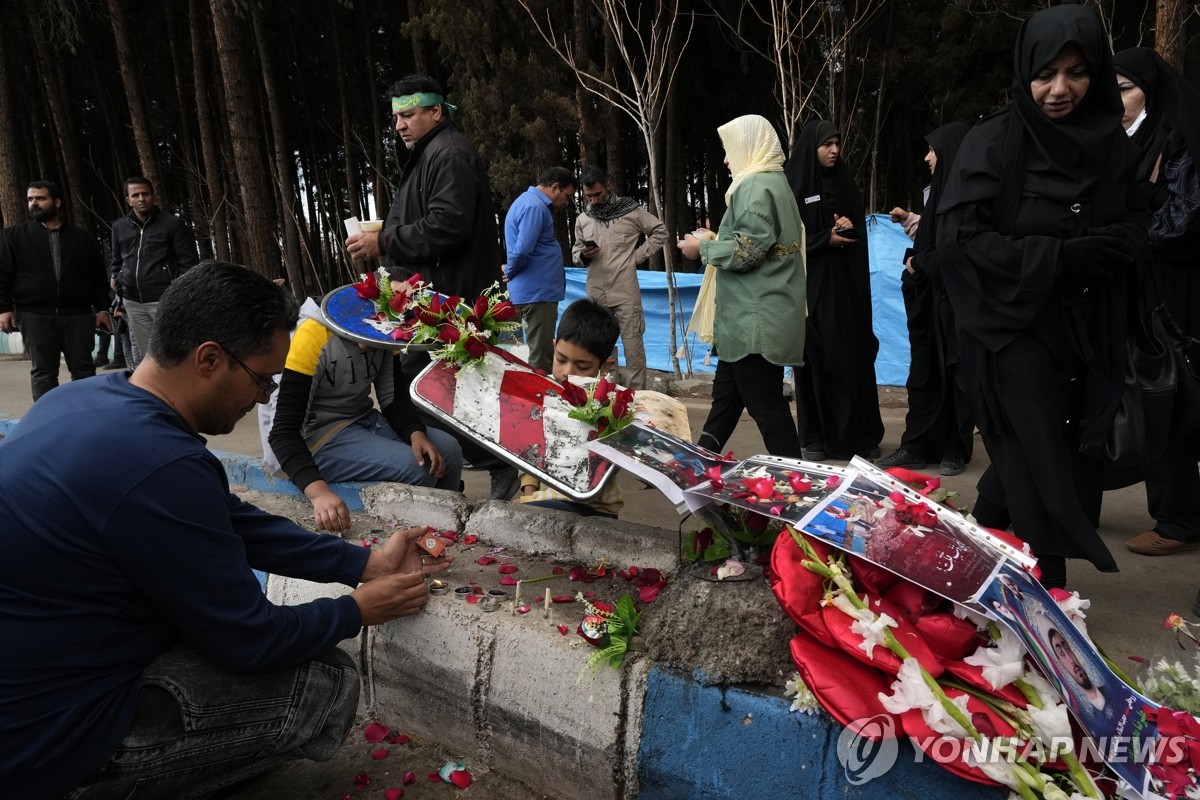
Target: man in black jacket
column 441, row 225
column 52, row 289
column 150, row 248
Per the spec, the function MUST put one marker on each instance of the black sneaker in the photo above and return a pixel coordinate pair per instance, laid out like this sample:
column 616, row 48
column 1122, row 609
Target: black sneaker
column 99, row 361
column 117, row 365
column 814, row 453
column 901, row 458
column 952, row 464
column 504, row 482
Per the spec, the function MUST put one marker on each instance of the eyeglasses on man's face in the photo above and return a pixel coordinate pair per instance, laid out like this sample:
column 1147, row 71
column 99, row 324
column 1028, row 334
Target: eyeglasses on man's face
column 265, row 385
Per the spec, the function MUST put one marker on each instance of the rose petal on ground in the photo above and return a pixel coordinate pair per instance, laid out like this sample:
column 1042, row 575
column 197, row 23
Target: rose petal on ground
column 393, row 793
column 483, row 561
column 361, row 780
column 398, row 739
column 434, row 777
column 409, row 777
column 472, row 599
column 602, row 606
column 450, row 535
column 460, row 778
column 523, row 608
column 589, row 595
column 470, row 539
column 558, row 570
column 507, row 569
column 508, row 580
column 380, row 754
column 563, row 598
column 375, row 732
column 563, row 629
column 648, row 594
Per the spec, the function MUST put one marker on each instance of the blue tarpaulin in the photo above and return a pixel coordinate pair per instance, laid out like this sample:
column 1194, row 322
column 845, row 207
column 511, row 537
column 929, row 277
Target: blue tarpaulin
column 887, row 242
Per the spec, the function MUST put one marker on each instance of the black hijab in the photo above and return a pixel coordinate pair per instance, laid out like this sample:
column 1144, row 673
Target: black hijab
column 944, row 142
column 1060, row 159
column 1172, row 106
column 806, row 177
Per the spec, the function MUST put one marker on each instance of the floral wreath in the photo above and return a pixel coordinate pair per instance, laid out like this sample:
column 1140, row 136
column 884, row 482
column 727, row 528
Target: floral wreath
column 411, row 311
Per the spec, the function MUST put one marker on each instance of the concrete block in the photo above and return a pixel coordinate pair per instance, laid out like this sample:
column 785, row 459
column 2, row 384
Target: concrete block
column 624, row 543
column 531, row 531
column 416, row 505
column 248, row 471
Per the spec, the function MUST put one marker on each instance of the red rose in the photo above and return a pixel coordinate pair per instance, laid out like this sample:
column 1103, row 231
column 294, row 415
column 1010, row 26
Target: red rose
column 449, row 334
column 481, row 306
column 398, row 302
column 573, row 394
column 603, row 388
column 368, row 289
column 622, row 403
column 475, row 347
column 504, row 312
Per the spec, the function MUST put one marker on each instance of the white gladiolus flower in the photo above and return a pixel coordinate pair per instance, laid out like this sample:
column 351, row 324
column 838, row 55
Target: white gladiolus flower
column 805, row 700
column 872, row 628
column 1051, row 724
column 1074, row 607
column 1002, row 661
column 909, row 690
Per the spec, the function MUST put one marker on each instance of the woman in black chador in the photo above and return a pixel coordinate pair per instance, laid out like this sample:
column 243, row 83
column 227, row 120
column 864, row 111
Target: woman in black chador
column 1038, row 231
column 837, row 405
column 938, row 425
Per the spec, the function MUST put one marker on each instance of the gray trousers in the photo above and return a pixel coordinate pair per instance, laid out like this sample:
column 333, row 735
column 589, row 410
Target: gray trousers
column 140, row 317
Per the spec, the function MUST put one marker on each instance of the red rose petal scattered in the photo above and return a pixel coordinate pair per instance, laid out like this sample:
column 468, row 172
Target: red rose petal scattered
column 602, row 606
column 409, row 777
column 648, row 594
column 589, row 595
column 347, row 796
column 361, row 781
column 472, row 599
column 508, row 580
column 558, row 570
column 375, row 732
column 434, row 777
column 523, row 608
column 483, row 561
column 393, row 793
column 563, row 598
column 470, row 539
column 506, row 569
column 563, row 629
column 398, row 739
column 380, row 754
column 449, row 535
column 476, row 588
column 460, row 778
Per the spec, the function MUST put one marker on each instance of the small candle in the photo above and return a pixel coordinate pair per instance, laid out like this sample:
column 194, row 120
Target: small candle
column 546, row 605
column 517, row 598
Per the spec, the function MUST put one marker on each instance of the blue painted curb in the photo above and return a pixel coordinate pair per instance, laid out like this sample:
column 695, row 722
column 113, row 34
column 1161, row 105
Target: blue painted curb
column 709, row 743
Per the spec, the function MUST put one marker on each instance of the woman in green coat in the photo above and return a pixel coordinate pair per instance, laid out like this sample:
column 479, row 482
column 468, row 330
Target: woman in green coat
column 760, row 290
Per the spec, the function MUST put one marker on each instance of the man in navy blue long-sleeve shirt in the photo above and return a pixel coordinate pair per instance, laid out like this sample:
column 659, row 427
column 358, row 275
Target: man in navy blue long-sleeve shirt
column 536, row 277
column 138, row 646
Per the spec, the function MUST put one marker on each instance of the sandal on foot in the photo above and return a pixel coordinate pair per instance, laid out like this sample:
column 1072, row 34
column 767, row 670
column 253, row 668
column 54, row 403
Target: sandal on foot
column 1153, row 543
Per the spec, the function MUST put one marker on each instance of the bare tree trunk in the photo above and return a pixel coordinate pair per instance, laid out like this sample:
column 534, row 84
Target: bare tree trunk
column 285, row 164
column 353, row 200
column 187, row 132
column 209, row 146
column 418, row 47
column 72, row 182
column 127, row 65
column 588, row 141
column 246, row 134
column 879, row 113
column 1170, row 31
column 12, row 185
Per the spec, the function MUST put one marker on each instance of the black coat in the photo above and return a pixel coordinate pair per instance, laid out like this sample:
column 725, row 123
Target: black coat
column 147, row 256
column 442, row 224
column 27, row 279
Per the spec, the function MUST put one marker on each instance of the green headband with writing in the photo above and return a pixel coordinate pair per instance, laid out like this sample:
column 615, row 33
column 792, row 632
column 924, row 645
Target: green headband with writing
column 420, row 100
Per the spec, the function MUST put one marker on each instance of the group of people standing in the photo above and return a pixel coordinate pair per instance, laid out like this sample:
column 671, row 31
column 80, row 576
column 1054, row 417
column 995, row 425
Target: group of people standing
column 56, row 289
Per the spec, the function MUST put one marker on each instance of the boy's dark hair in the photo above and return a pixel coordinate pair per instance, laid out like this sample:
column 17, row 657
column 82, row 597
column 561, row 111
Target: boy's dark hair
column 216, row 301
column 138, row 180
column 560, row 175
column 589, row 325
column 592, row 175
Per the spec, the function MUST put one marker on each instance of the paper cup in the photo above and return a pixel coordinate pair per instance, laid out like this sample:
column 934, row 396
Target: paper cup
column 371, row 225
column 699, row 234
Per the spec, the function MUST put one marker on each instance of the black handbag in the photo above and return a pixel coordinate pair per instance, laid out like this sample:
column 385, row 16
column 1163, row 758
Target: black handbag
column 1160, row 400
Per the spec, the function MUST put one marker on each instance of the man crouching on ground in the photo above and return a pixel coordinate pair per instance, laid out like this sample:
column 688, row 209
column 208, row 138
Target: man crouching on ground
column 139, row 649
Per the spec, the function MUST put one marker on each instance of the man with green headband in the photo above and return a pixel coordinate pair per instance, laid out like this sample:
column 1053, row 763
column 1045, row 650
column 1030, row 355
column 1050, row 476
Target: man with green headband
column 442, row 224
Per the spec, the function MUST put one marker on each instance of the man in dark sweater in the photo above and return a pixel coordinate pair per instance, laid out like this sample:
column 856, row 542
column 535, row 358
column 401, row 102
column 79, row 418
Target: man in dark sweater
column 150, row 248
column 52, row 289
column 139, row 649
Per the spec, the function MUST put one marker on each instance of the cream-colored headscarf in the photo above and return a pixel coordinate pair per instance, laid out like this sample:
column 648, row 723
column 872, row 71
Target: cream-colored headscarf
column 752, row 146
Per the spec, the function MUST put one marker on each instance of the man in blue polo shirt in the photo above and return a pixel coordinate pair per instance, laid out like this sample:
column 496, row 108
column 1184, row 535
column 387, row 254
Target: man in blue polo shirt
column 536, row 278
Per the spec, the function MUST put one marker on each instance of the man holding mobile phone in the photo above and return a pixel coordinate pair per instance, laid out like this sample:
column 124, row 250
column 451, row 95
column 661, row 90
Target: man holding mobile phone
column 612, row 237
